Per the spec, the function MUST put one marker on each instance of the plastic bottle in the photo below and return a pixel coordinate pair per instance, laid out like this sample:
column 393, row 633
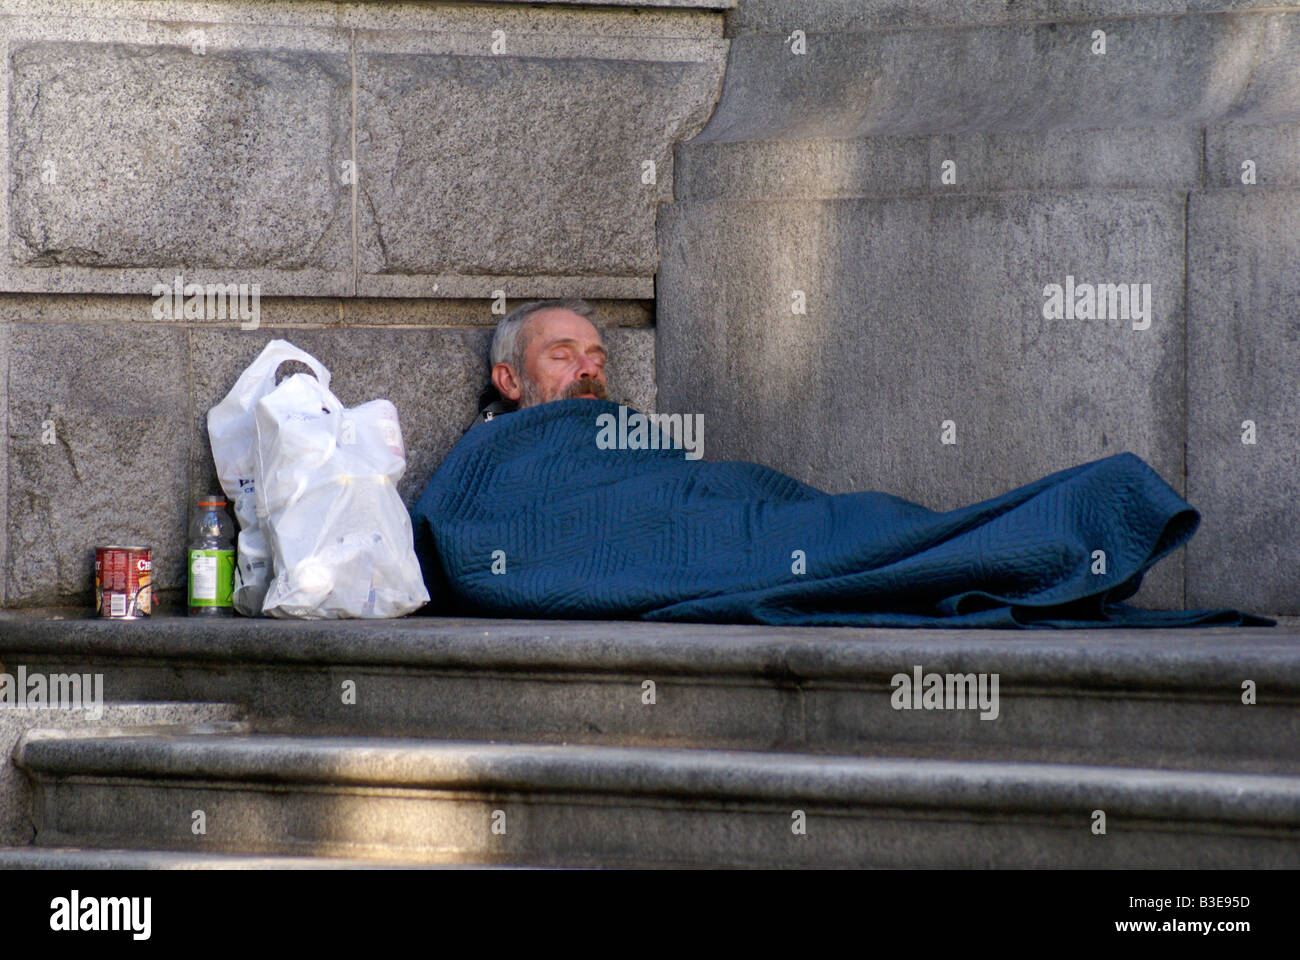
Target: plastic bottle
column 211, row 559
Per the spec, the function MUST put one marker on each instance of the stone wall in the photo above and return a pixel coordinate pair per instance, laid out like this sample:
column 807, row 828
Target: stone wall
column 855, row 263
column 385, row 173
column 911, row 174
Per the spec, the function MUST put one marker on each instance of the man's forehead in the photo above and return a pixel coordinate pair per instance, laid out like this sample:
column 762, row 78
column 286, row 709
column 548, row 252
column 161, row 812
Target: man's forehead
column 552, row 326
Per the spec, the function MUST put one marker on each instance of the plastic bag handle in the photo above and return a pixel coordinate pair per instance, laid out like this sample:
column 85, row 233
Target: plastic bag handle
column 259, row 379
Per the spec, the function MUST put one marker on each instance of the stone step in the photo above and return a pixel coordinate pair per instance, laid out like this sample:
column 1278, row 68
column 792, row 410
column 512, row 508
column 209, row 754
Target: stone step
column 1143, row 698
column 577, row 805
column 108, row 719
column 82, row 858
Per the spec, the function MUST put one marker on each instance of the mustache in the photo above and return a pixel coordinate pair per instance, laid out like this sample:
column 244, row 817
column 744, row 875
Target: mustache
column 585, row 385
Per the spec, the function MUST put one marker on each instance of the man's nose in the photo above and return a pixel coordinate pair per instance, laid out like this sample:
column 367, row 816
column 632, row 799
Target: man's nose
column 588, row 368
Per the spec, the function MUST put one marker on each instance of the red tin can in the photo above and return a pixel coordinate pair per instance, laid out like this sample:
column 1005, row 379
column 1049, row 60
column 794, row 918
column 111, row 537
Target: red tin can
column 123, row 582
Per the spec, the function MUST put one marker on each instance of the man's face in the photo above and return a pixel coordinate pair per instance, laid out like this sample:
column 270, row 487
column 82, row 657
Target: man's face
column 564, row 358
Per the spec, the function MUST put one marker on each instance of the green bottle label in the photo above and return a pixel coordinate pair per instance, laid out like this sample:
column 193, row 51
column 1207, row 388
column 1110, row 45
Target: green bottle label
column 212, row 578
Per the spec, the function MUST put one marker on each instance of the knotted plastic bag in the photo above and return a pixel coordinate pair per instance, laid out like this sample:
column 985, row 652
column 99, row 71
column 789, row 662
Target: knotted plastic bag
column 233, row 436
column 326, row 489
column 324, row 532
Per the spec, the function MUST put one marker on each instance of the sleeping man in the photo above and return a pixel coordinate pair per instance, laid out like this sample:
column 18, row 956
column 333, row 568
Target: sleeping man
column 542, row 510
column 544, row 351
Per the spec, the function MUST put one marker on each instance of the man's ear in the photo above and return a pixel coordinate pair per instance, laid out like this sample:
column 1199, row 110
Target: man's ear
column 503, row 377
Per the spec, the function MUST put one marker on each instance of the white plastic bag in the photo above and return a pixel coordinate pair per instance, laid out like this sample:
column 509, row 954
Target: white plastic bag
column 234, row 450
column 326, row 492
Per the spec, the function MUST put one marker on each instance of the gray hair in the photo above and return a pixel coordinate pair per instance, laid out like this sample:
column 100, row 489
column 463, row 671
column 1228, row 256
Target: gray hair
column 507, row 344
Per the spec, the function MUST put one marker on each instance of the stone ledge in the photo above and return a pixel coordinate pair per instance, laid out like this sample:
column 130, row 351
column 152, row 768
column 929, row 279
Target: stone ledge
column 299, row 313
column 77, row 858
column 346, row 12
column 1207, row 660
column 1174, row 157
column 687, row 775
column 889, row 168
column 766, row 16
column 116, row 719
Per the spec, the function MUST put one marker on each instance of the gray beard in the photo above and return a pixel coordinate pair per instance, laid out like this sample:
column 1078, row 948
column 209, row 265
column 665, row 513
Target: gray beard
column 531, row 395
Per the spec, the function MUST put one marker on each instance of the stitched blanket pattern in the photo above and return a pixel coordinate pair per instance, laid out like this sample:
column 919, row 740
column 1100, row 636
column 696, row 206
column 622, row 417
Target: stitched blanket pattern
column 529, row 517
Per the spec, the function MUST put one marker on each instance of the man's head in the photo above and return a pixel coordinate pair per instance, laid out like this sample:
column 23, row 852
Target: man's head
column 548, row 350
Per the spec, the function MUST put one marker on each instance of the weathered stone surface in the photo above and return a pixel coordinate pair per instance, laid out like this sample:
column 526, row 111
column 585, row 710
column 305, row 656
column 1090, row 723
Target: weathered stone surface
column 449, row 312
column 1243, row 358
column 301, row 311
column 1167, row 699
column 114, row 400
column 128, row 156
column 513, row 172
column 4, row 458
column 75, row 858
column 368, row 13
column 825, row 16
column 883, row 166
column 587, row 94
column 575, row 805
column 793, row 169
column 1167, row 157
column 105, row 719
column 139, row 310
column 920, row 312
column 1273, row 149
column 1018, row 77
column 789, row 697
column 1273, row 90
column 631, row 367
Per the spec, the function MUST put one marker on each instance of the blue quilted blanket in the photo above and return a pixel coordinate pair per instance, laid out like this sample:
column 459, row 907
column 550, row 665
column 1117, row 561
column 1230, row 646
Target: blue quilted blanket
column 529, row 517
